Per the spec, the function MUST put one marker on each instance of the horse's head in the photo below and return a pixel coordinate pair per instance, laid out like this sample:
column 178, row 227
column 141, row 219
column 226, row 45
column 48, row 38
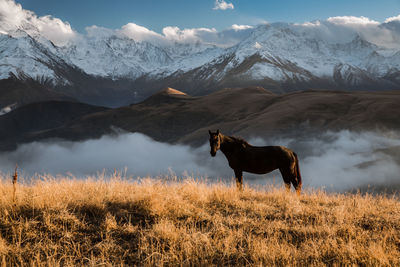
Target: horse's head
column 215, row 142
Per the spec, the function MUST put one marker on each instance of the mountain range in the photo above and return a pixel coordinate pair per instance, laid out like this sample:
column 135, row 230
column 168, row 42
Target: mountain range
column 112, row 69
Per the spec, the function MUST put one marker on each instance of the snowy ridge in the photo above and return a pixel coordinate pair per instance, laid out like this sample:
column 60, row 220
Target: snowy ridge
column 279, row 52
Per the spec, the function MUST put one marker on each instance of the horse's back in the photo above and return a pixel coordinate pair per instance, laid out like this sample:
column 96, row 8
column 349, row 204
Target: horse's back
column 263, row 159
column 282, row 155
column 272, row 151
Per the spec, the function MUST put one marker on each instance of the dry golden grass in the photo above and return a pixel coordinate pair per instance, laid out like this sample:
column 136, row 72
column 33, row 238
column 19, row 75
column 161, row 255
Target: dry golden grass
column 70, row 222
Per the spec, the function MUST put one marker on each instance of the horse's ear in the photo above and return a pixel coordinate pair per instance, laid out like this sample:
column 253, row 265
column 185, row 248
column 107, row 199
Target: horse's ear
column 217, row 131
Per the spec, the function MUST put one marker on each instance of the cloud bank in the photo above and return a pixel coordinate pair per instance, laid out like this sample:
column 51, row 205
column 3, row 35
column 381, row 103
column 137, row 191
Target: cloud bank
column 138, row 33
column 14, row 17
column 334, row 161
column 338, row 29
column 236, row 27
column 172, row 34
column 344, row 29
column 391, row 19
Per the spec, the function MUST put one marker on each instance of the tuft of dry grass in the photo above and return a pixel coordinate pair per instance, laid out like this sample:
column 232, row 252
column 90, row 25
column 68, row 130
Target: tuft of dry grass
column 14, row 182
column 114, row 221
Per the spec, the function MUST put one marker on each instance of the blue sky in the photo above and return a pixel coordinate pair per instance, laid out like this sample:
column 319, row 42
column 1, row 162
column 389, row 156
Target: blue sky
column 156, row 14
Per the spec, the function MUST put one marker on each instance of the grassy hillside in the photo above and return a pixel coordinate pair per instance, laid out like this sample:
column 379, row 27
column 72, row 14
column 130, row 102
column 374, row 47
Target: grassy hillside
column 170, row 116
column 118, row 222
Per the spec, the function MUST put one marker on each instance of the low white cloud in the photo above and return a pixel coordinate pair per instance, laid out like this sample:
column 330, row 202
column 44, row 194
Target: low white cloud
column 316, row 23
column 351, row 20
column 344, row 29
column 222, row 5
column 339, row 29
column 345, row 160
column 335, row 161
column 141, row 155
column 173, row 34
column 334, row 30
column 54, row 29
column 372, row 31
column 187, row 35
column 14, row 17
column 395, row 18
column 139, row 33
column 169, row 34
column 241, row 27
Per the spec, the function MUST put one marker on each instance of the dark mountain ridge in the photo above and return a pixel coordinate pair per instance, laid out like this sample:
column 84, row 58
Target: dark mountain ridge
column 174, row 117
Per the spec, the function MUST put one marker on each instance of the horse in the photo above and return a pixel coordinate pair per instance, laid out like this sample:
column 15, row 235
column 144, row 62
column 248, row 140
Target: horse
column 243, row 157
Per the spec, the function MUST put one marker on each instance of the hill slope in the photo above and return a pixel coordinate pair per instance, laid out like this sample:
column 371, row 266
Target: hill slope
column 24, row 124
column 171, row 116
column 15, row 92
column 153, row 223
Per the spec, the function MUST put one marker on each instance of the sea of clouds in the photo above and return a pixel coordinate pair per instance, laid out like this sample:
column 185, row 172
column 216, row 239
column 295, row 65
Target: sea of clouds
column 337, row 161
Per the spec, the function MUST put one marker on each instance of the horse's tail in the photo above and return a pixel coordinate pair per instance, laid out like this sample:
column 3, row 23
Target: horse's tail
column 298, row 175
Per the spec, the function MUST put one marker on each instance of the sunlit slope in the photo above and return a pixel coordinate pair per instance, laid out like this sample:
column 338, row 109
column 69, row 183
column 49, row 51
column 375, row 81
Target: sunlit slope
column 113, row 221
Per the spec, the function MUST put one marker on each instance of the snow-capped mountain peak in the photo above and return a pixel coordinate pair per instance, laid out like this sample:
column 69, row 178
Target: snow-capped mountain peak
column 279, row 53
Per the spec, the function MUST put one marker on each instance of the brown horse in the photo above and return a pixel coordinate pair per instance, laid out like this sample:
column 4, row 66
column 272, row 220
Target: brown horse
column 243, row 157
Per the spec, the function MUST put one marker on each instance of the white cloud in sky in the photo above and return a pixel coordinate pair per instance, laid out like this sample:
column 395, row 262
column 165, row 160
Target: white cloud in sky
column 309, row 24
column 338, row 29
column 187, row 35
column 395, row 18
column 345, row 28
column 139, row 33
column 222, row 5
column 172, row 34
column 241, row 27
column 351, row 20
column 371, row 30
column 14, row 17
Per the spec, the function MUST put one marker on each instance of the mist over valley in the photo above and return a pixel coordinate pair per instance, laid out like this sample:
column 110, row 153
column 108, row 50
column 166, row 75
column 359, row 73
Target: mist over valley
column 346, row 141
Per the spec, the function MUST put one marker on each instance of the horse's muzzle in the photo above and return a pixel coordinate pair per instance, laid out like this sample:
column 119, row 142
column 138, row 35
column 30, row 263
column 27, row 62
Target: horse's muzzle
column 213, row 153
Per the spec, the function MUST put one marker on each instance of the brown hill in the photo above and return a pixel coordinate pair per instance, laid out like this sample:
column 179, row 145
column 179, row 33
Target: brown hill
column 14, row 91
column 165, row 96
column 172, row 116
column 258, row 112
column 33, row 121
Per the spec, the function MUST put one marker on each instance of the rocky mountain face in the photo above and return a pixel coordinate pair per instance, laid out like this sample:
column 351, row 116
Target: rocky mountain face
column 114, row 70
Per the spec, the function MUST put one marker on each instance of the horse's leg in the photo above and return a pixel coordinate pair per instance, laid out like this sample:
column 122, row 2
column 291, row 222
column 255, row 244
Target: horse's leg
column 239, row 179
column 297, row 176
column 296, row 184
column 286, row 178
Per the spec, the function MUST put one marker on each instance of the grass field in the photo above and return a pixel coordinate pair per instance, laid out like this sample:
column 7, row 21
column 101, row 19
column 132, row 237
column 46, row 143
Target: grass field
column 114, row 221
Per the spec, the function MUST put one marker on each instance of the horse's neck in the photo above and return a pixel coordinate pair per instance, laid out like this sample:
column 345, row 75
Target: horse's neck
column 228, row 145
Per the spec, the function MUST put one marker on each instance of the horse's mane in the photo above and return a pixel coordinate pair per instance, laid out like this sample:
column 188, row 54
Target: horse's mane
column 239, row 140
